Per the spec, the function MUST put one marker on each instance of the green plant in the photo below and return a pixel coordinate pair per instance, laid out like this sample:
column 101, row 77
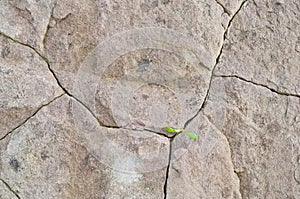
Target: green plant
column 192, row 135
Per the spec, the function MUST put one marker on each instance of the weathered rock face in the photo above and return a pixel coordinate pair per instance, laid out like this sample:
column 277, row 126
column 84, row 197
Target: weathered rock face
column 205, row 168
column 51, row 153
column 5, row 193
column 262, row 128
column 25, row 84
column 75, row 29
column 263, row 45
column 87, row 86
column 26, row 21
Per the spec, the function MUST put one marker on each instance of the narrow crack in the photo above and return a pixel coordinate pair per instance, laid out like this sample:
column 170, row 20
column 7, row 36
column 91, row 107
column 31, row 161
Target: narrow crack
column 168, row 170
column 10, row 189
column 48, row 25
column 257, row 84
column 113, row 127
column 68, row 93
column 231, row 157
column 223, row 7
column 32, row 115
column 43, row 57
column 217, row 61
column 238, row 175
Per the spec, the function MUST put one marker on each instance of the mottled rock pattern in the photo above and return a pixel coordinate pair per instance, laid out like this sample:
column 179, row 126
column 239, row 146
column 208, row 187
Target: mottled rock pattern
column 262, row 128
column 49, row 153
column 128, row 69
column 83, row 27
column 25, row 84
column 263, row 45
column 205, row 168
column 26, row 21
column 5, row 193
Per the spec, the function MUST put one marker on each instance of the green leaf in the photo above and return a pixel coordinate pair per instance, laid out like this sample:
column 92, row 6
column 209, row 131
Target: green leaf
column 171, row 130
column 193, row 136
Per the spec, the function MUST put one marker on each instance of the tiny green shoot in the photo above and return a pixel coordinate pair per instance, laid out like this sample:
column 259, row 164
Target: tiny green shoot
column 192, row 135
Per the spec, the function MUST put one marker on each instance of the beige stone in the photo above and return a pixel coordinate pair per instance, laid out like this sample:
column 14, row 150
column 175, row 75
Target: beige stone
column 5, row 193
column 26, row 20
column 203, row 168
column 25, row 84
column 49, row 157
column 263, row 45
column 129, row 69
column 262, row 128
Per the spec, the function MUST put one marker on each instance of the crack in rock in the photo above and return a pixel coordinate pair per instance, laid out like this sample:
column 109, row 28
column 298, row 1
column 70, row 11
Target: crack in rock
column 44, row 105
column 257, row 84
column 207, row 93
column 40, row 55
column 224, row 8
column 168, row 170
column 217, row 62
column 231, row 158
column 48, row 25
column 50, row 21
column 9, row 188
column 65, row 92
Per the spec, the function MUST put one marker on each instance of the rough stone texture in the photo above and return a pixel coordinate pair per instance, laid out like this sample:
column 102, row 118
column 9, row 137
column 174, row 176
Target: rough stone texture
column 161, row 79
column 5, row 193
column 263, row 132
column 118, row 33
column 263, row 45
column 83, row 27
column 26, row 20
column 204, row 169
column 48, row 157
column 128, row 69
column 25, row 84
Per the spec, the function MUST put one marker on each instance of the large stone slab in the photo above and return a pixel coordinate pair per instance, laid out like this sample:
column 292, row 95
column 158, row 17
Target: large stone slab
column 203, row 168
column 25, row 84
column 263, row 45
column 51, row 156
column 106, row 53
column 263, row 132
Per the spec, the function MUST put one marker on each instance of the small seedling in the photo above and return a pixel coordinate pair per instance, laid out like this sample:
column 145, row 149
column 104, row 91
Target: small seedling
column 192, row 135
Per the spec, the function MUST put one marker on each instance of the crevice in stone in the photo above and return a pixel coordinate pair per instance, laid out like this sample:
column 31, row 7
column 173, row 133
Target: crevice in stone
column 43, row 57
column 223, row 7
column 257, row 84
column 217, row 62
column 68, row 93
column 238, row 175
column 161, row 134
column 168, row 170
column 231, row 158
column 44, row 105
column 10, row 189
column 48, row 25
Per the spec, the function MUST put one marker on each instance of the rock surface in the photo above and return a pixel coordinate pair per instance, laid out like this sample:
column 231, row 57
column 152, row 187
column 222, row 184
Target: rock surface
column 51, row 153
column 204, row 169
column 263, row 45
column 25, row 84
column 5, row 193
column 262, row 128
column 87, row 86
column 26, row 20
